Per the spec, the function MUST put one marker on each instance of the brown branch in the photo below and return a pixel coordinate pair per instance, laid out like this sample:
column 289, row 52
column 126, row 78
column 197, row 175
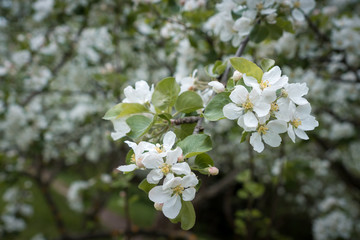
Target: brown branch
column 185, row 120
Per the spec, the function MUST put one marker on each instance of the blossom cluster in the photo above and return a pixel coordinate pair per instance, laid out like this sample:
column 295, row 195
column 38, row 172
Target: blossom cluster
column 166, row 165
column 269, row 107
column 228, row 27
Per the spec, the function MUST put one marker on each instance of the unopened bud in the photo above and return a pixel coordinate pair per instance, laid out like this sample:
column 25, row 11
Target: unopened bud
column 217, row 86
column 213, row 171
column 158, row 206
column 181, row 158
column 237, row 75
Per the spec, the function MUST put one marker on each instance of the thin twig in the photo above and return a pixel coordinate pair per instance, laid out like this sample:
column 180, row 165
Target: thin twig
column 185, row 120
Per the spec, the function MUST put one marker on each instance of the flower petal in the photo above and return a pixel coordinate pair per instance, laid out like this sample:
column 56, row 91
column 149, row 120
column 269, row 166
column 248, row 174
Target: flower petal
column 277, row 126
column 250, row 120
column 272, row 139
column 173, row 155
column 189, row 194
column 308, row 124
column 262, row 108
column 152, row 161
column 181, row 168
column 160, row 195
column 255, row 141
column 231, row 111
column 155, row 176
column 189, row 181
column 172, row 208
column 291, row 132
column 169, row 140
column 273, row 75
column 239, row 94
column 301, row 134
column 127, row 168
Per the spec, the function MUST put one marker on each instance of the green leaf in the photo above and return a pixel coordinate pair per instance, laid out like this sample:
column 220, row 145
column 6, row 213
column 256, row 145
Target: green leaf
column 204, row 161
column 188, row 216
column 285, row 24
column 184, row 130
column 243, row 136
column 275, row 31
column 165, row 116
column 266, row 64
column 244, row 176
column 230, row 84
column 146, row 186
column 242, row 194
column 259, row 33
column 219, row 67
column 255, row 189
column 195, row 144
column 128, row 157
column 165, row 93
column 214, row 110
column 245, row 66
column 188, row 102
column 124, row 109
column 139, row 125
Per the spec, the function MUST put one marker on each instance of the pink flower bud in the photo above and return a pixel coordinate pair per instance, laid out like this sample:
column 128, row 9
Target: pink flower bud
column 158, row 206
column 217, row 86
column 213, row 171
column 181, row 158
column 237, row 76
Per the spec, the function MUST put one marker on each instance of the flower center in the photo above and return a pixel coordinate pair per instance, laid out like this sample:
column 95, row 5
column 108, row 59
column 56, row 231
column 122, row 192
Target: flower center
column 132, row 158
column 178, row 190
column 274, row 107
column 165, row 168
column 296, row 123
column 284, row 93
column 264, row 84
column 297, row 4
column 260, row 6
column 159, row 148
column 262, row 129
column 247, row 104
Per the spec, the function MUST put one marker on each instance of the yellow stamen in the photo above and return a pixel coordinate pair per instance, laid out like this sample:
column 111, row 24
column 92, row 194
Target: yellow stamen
column 264, row 84
column 178, row 190
column 297, row 4
column 260, row 6
column 247, row 104
column 296, row 123
column 274, row 107
column 165, row 168
column 262, row 129
column 159, row 148
column 132, row 158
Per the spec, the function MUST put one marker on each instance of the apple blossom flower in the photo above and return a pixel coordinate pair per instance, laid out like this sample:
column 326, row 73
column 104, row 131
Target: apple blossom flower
column 244, row 106
column 168, row 143
column 302, row 7
column 237, row 75
column 140, row 152
column 141, row 94
column 171, row 193
column 161, row 168
column 300, row 121
column 269, row 133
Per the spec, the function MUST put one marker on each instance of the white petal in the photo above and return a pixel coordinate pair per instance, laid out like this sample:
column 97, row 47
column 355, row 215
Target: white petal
column 307, row 5
column 250, row 120
column 172, row 208
column 308, row 123
column 295, row 90
column 297, row 15
column 181, row 168
column 301, row 134
column 255, row 141
column 159, row 195
column 189, row 194
column 262, row 108
column 169, row 140
column 299, row 100
column 231, row 111
column 303, row 111
column 291, row 132
column 154, row 176
column 117, row 135
column 189, row 181
column 131, row 144
column 152, row 161
column 273, row 75
column 127, row 168
column 277, row 126
column 172, row 156
column 239, row 94
column 250, row 81
column 272, row 139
